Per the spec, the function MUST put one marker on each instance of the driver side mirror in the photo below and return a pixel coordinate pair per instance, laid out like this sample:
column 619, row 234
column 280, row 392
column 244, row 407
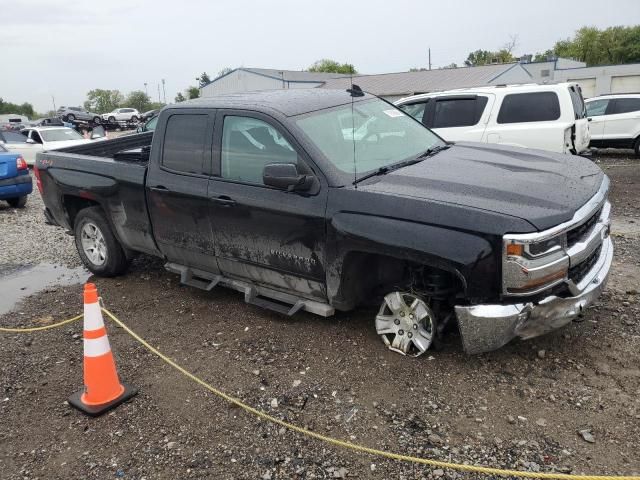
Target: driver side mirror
column 31, row 141
column 285, row 176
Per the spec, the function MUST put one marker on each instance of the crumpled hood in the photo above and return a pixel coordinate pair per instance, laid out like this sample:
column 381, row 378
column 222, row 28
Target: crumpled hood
column 540, row 187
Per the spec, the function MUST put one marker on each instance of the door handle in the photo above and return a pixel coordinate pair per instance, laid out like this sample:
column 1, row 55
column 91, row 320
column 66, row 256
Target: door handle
column 159, row 188
column 223, row 201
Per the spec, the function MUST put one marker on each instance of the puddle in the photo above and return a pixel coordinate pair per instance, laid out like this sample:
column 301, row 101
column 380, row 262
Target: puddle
column 18, row 283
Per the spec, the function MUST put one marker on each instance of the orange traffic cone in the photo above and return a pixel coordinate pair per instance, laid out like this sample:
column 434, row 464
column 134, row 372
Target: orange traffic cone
column 102, row 388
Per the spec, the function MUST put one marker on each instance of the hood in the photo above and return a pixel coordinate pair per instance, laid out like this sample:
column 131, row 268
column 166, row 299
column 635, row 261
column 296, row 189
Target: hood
column 540, row 187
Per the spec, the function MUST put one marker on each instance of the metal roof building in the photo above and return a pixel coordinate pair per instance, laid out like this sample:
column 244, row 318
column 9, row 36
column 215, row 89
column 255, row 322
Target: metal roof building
column 252, row 79
column 393, row 86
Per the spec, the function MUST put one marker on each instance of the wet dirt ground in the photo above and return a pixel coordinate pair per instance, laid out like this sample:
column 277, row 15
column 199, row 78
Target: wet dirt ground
column 521, row 407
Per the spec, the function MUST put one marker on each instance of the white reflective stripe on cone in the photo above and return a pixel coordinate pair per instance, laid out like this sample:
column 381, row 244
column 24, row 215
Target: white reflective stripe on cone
column 93, row 316
column 95, row 347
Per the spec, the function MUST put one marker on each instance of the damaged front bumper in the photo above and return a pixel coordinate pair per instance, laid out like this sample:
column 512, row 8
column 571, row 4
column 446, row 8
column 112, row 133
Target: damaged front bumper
column 489, row 327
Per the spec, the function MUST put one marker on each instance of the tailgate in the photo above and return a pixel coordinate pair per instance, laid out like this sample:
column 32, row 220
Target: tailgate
column 8, row 168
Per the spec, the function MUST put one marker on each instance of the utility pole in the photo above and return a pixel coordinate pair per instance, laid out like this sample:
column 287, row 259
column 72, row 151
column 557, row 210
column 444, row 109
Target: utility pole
column 429, row 58
column 54, row 102
column 146, row 91
column 164, row 92
column 159, row 99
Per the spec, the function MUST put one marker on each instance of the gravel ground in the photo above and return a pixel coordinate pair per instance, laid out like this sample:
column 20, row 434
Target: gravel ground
column 522, row 407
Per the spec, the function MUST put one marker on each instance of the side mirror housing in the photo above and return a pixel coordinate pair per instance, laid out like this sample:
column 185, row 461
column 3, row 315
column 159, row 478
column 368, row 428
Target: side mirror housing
column 285, row 176
column 31, row 141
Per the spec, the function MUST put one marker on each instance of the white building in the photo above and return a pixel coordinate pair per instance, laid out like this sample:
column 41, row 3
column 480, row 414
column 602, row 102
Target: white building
column 251, row 79
column 603, row 79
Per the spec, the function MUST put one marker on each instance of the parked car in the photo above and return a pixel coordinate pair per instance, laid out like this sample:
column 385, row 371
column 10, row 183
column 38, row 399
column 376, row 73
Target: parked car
column 615, row 121
column 122, row 114
column 262, row 192
column 15, row 181
column 548, row 117
column 148, row 115
column 70, row 114
column 30, row 141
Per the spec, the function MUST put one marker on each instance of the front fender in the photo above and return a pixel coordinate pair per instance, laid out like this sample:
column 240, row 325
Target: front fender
column 470, row 256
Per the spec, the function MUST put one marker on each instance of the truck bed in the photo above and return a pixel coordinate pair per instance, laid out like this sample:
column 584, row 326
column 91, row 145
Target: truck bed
column 114, row 148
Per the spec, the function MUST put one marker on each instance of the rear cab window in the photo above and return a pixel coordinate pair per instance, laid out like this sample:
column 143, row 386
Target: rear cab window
column 184, row 143
column 529, row 107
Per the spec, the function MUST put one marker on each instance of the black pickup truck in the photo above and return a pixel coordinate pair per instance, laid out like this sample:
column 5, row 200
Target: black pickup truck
column 325, row 200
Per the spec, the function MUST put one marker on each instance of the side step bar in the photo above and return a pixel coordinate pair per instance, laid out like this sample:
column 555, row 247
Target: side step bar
column 283, row 303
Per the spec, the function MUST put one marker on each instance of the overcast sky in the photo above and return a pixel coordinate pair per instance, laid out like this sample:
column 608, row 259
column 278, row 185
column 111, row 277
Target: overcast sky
column 68, row 47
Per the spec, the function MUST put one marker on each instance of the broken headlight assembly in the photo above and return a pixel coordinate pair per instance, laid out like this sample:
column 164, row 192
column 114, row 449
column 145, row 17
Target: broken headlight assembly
column 531, row 265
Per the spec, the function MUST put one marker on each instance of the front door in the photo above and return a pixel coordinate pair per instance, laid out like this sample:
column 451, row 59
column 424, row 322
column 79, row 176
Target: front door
column 270, row 236
column 622, row 122
column 176, row 186
column 596, row 112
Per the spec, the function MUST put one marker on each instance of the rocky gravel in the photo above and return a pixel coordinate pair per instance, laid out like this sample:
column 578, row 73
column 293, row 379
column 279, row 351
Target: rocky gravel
column 566, row 402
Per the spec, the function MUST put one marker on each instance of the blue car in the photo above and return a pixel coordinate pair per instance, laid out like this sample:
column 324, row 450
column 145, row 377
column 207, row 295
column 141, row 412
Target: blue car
column 15, row 181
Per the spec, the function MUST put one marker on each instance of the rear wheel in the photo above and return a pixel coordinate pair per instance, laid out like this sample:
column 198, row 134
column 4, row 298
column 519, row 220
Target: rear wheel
column 636, row 147
column 97, row 120
column 71, row 117
column 98, row 248
column 134, row 119
column 112, row 119
column 406, row 324
column 18, row 202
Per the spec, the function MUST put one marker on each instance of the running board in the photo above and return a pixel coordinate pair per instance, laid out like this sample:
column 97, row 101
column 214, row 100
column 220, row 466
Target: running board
column 283, row 303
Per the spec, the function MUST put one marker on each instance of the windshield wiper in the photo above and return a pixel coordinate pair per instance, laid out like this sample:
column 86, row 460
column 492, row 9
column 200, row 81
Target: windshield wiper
column 405, row 163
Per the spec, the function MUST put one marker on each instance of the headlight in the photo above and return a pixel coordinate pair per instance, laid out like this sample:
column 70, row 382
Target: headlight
column 532, row 266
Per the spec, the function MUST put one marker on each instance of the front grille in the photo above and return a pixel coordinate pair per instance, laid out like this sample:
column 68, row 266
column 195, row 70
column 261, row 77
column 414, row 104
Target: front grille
column 574, row 236
column 578, row 272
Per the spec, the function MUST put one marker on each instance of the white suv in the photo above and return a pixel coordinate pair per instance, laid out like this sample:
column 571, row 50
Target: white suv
column 615, row 121
column 122, row 114
column 549, row 117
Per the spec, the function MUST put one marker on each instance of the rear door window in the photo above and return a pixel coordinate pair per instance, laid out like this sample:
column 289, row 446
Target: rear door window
column 597, row 107
column 626, row 105
column 458, row 112
column 184, row 143
column 529, row 107
column 14, row 137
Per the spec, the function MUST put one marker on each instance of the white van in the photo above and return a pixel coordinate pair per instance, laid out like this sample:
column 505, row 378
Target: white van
column 548, row 117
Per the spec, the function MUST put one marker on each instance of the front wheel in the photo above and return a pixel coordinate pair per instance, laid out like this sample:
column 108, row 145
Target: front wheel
column 71, row 117
column 636, row 147
column 18, row 202
column 112, row 119
column 98, row 248
column 134, row 119
column 406, row 324
column 97, row 120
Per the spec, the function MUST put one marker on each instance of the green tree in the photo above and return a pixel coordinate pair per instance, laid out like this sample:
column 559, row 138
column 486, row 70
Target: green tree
column 596, row 47
column 138, row 100
column 203, row 79
column 331, row 66
column 180, row 97
column 25, row 109
column 103, row 101
column 193, row 92
column 486, row 57
column 543, row 56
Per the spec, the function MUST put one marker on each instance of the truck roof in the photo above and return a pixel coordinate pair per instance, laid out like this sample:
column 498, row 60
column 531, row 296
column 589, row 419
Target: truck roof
column 287, row 102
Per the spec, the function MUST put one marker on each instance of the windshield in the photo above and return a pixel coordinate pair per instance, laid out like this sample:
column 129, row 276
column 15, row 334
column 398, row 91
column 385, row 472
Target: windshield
column 60, row 135
column 383, row 135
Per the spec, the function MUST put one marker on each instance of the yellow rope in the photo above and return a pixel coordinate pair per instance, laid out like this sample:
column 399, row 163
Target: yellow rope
column 39, row 329
column 333, row 441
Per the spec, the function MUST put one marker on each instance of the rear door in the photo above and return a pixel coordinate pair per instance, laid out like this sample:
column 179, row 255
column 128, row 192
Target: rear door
column 459, row 117
column 264, row 234
column 624, row 121
column 596, row 113
column 176, row 188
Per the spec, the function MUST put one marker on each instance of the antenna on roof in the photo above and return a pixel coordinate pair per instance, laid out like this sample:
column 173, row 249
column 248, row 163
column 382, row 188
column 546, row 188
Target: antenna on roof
column 354, row 91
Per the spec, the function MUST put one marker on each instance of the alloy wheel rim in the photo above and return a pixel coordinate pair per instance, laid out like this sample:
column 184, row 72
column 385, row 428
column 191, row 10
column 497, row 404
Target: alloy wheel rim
column 93, row 244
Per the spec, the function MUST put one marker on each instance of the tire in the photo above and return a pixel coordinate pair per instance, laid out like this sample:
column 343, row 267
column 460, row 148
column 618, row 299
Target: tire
column 107, row 259
column 134, row 119
column 112, row 119
column 18, row 202
column 71, row 117
column 97, row 120
column 636, row 147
